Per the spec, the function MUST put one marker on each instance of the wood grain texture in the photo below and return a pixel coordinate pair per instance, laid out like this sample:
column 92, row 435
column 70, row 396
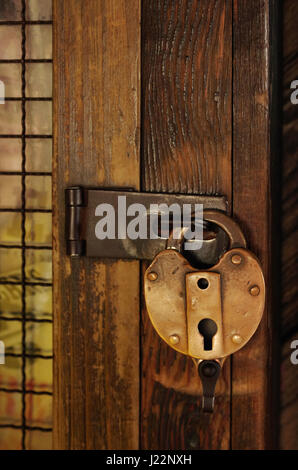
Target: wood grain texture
column 187, row 136
column 96, row 303
column 289, row 323
column 253, row 425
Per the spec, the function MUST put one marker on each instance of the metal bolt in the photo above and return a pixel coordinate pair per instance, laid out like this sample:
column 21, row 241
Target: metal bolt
column 236, row 259
column 237, row 339
column 255, row 290
column 174, row 339
column 152, row 276
column 209, row 369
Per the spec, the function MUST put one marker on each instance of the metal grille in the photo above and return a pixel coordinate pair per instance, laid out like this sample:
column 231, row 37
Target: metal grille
column 23, row 280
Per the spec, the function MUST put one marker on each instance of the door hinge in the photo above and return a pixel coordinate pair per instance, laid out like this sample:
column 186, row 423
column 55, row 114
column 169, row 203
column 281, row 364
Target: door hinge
column 75, row 205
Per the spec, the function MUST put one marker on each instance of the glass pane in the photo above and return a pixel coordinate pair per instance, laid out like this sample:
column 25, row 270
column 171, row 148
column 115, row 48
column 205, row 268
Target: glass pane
column 11, row 334
column 10, row 439
column 39, row 374
column 10, row 408
column 38, row 229
column 11, row 371
column 10, row 75
column 39, row 42
column 39, row 117
column 10, row 264
column 39, row 302
column 10, row 299
column 39, row 410
column 38, row 192
column 10, row 228
column 39, row 265
column 39, row 155
column 10, row 154
column 39, row 10
column 10, row 118
column 10, row 191
column 38, row 338
column 38, row 440
column 39, row 80
column 10, row 42
column 10, row 10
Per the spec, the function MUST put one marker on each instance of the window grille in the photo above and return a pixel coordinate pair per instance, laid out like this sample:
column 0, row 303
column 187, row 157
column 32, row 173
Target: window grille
column 25, row 223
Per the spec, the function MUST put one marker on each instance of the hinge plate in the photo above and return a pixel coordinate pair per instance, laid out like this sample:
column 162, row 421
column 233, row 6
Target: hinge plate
column 81, row 219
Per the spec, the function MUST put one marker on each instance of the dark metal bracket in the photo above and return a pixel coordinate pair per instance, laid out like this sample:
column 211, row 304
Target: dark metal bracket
column 80, row 207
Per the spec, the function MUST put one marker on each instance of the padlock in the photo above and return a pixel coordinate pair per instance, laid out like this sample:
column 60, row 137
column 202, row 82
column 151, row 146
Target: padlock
column 206, row 314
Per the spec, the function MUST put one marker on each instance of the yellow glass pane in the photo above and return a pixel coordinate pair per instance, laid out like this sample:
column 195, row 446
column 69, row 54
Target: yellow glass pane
column 10, row 227
column 39, row 42
column 38, row 229
column 10, row 439
column 10, row 75
column 11, row 335
column 39, row 374
column 38, row 192
column 11, row 371
column 39, row 265
column 39, row 410
column 38, row 338
column 10, row 264
column 39, row 301
column 10, row 408
column 10, row 10
column 38, row 440
column 10, row 191
column 39, row 10
column 10, row 42
column 39, row 117
column 39, row 155
column 10, row 299
column 10, row 154
column 39, row 80
column 10, row 118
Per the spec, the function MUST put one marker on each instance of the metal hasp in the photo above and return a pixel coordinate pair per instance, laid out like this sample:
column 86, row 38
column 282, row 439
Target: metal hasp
column 81, row 209
column 207, row 314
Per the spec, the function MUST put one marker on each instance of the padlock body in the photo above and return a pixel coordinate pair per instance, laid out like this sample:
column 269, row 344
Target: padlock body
column 229, row 298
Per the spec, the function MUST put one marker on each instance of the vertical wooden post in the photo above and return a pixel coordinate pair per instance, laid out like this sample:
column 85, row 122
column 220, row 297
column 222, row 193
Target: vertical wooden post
column 253, row 417
column 187, row 138
column 96, row 303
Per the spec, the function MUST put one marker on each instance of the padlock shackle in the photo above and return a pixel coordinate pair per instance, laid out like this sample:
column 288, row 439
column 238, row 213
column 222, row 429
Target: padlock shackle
column 232, row 229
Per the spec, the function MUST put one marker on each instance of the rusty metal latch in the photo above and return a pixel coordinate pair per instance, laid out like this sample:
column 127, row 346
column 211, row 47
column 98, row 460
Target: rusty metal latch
column 207, row 314
column 82, row 214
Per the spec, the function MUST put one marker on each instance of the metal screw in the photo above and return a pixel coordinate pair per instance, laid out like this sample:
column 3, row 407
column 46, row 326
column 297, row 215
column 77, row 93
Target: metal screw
column 174, row 339
column 255, row 290
column 236, row 259
column 152, row 276
column 237, row 339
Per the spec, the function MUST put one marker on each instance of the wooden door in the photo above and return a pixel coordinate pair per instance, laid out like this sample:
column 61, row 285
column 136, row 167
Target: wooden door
column 163, row 96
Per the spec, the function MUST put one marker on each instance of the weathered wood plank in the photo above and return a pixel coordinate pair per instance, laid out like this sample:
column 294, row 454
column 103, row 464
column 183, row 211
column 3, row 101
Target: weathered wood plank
column 186, row 127
column 96, row 303
column 253, row 425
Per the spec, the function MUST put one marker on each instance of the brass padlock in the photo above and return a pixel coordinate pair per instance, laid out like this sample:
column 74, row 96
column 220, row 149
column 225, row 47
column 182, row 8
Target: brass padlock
column 206, row 314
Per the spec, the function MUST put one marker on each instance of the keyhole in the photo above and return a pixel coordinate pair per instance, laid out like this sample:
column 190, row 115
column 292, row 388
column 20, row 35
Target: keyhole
column 207, row 329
